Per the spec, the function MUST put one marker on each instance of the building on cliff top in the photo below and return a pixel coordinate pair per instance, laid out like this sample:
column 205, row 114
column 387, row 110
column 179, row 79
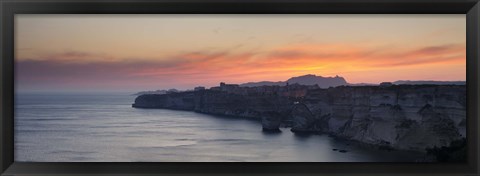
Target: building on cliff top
column 199, row 88
column 228, row 87
column 386, row 84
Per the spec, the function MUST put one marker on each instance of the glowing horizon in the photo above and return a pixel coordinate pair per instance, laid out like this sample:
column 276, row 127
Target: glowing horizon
column 151, row 52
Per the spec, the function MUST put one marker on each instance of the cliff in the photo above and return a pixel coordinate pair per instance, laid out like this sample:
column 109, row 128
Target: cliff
column 401, row 117
column 407, row 117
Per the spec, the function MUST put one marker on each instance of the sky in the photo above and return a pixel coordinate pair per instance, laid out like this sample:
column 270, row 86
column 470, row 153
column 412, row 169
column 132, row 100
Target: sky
column 130, row 53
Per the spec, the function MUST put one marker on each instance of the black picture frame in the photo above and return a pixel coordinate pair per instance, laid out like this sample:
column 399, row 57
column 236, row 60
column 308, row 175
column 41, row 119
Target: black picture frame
column 11, row 7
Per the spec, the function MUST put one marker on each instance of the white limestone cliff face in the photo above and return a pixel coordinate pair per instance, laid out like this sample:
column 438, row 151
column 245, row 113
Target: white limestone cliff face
column 401, row 117
column 406, row 117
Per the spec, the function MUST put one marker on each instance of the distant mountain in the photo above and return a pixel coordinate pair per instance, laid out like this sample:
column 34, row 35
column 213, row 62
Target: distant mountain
column 263, row 83
column 322, row 82
column 429, row 82
column 325, row 82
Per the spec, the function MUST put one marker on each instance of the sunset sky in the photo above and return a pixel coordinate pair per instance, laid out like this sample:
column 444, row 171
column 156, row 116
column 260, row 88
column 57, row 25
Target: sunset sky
column 148, row 52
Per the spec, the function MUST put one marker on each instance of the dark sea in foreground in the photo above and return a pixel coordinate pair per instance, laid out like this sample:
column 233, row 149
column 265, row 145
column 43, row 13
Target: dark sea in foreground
column 105, row 128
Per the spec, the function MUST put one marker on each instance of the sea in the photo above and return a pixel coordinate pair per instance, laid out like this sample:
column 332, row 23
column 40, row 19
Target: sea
column 94, row 127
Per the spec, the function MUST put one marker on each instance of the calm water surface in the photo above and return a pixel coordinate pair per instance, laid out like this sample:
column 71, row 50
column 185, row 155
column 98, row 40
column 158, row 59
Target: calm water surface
column 105, row 128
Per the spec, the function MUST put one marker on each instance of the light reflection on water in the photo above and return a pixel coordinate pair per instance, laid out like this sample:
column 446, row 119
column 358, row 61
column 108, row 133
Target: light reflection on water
column 104, row 128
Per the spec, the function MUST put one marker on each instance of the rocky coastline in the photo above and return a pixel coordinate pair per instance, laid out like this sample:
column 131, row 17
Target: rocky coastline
column 401, row 117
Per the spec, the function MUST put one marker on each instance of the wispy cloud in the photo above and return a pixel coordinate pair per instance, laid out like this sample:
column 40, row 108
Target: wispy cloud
column 207, row 68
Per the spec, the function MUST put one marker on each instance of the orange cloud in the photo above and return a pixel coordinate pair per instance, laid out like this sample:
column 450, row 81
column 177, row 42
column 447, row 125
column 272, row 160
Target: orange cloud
column 207, row 68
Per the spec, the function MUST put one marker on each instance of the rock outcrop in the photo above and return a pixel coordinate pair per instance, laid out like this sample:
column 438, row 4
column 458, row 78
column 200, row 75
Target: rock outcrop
column 406, row 117
column 271, row 122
